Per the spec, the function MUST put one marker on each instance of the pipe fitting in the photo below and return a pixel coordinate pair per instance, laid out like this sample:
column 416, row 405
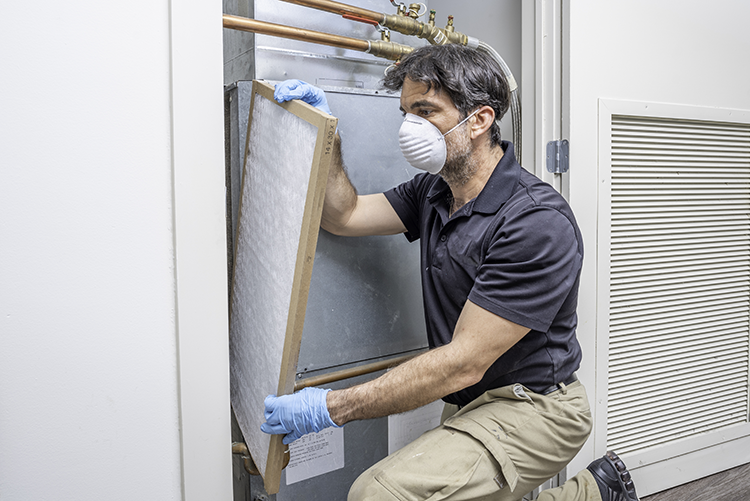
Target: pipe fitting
column 449, row 27
column 431, row 33
column 388, row 50
column 456, row 37
column 415, row 10
column 240, row 448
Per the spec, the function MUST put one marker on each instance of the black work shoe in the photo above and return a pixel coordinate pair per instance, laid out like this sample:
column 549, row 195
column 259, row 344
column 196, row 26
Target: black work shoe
column 613, row 478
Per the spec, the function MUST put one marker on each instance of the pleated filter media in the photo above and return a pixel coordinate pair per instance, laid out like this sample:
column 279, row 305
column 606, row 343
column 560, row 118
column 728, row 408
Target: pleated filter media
column 281, row 202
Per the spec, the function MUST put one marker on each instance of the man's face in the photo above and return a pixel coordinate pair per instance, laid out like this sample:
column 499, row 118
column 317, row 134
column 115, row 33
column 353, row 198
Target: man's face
column 438, row 109
column 429, row 104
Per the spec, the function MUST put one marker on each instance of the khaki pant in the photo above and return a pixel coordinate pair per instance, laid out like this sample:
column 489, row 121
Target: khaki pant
column 499, row 447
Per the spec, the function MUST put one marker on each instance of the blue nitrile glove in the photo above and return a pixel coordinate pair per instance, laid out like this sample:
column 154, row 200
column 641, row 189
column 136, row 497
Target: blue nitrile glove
column 297, row 89
column 298, row 414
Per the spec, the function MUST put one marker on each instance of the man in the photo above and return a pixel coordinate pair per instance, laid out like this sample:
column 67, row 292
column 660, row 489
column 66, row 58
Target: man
column 501, row 258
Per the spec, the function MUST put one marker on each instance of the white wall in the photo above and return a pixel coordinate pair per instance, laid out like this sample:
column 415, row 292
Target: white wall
column 666, row 52
column 91, row 404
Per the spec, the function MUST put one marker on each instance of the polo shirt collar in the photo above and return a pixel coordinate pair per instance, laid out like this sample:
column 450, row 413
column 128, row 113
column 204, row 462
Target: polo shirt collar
column 500, row 186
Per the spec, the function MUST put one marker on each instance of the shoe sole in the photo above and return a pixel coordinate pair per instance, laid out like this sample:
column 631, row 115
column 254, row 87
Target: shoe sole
column 623, row 475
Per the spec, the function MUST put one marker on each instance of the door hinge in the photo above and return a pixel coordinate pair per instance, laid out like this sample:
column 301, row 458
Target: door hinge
column 557, row 156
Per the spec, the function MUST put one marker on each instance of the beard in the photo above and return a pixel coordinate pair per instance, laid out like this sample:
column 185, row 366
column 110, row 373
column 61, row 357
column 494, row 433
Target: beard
column 460, row 164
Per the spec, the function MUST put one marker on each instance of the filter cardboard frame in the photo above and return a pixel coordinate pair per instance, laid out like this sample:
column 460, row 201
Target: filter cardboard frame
column 249, row 341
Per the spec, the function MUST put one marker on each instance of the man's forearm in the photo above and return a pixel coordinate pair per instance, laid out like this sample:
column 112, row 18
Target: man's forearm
column 413, row 384
column 480, row 338
column 341, row 196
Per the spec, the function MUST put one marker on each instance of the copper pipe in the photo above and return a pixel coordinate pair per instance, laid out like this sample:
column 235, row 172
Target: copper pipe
column 279, row 30
column 241, row 449
column 350, row 373
column 341, row 9
column 400, row 23
column 379, row 48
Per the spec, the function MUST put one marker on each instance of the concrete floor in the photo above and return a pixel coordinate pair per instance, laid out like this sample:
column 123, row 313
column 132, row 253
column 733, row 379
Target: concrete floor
column 730, row 485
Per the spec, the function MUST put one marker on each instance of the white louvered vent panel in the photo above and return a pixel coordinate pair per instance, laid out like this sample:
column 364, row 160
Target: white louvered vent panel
column 679, row 314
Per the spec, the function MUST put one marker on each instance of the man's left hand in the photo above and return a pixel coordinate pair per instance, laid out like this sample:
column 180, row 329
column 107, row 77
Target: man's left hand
column 298, row 414
column 297, row 89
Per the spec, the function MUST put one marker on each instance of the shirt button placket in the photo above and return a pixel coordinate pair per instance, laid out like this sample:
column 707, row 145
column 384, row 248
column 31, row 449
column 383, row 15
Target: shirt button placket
column 439, row 252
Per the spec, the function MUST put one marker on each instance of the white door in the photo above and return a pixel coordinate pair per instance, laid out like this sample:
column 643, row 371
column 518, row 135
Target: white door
column 657, row 112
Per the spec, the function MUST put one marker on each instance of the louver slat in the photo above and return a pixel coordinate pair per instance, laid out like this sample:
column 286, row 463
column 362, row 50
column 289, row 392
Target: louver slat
column 677, row 303
column 679, row 314
column 712, row 371
column 656, row 409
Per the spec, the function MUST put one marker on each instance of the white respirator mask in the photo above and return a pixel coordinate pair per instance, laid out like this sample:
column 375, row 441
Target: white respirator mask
column 422, row 144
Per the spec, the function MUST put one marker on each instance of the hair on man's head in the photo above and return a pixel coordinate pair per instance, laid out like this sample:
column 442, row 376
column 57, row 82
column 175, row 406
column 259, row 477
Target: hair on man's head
column 469, row 77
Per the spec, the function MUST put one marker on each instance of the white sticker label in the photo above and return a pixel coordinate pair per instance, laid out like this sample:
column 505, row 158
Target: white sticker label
column 404, row 428
column 315, row 454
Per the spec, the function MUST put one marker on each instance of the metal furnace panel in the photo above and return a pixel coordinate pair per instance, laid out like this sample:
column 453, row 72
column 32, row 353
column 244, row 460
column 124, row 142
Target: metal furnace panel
column 365, row 297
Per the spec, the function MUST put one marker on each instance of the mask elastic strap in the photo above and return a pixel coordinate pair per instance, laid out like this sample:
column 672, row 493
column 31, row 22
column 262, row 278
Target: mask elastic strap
column 461, row 122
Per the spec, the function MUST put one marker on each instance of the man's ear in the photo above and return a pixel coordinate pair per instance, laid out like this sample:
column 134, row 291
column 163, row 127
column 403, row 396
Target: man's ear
column 482, row 121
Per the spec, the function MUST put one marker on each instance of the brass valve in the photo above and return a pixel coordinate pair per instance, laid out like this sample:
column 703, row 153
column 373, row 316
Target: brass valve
column 449, row 27
column 388, row 50
column 431, row 22
column 433, row 34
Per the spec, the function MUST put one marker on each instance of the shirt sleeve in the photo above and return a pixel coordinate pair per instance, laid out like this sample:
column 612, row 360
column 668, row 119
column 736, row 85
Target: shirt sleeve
column 407, row 200
column 531, row 266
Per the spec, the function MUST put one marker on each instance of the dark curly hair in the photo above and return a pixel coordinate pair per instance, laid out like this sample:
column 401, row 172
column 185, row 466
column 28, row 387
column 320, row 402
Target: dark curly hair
column 470, row 79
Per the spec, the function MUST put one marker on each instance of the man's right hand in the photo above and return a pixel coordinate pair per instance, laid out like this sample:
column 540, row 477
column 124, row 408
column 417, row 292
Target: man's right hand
column 298, row 414
column 297, row 89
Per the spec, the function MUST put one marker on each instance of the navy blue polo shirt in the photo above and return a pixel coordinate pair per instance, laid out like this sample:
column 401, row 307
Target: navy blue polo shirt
column 516, row 251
